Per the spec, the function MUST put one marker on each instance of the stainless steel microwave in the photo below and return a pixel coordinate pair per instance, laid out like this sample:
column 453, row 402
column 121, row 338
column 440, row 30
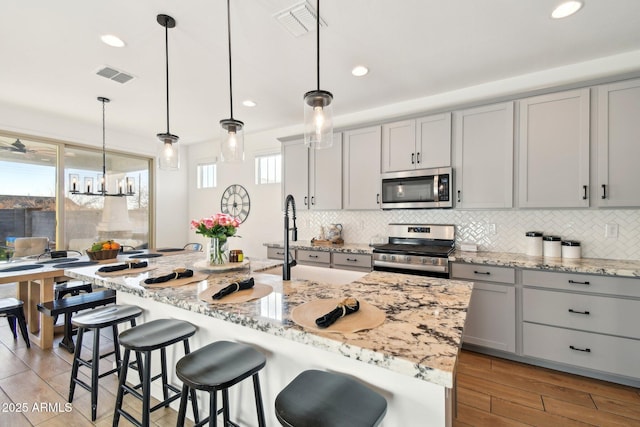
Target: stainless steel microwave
column 417, row 189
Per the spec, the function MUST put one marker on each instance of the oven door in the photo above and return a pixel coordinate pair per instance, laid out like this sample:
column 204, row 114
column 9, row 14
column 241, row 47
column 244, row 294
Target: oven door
column 428, row 188
column 421, row 266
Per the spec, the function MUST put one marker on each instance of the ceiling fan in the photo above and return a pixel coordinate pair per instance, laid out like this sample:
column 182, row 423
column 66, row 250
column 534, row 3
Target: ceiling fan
column 16, row 147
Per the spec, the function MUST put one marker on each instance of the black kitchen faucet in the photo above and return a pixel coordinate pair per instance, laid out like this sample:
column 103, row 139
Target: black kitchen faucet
column 288, row 259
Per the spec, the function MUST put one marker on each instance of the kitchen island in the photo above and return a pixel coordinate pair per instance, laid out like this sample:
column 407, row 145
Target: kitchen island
column 410, row 359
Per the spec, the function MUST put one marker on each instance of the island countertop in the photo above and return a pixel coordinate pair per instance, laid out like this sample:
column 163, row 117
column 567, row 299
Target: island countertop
column 420, row 337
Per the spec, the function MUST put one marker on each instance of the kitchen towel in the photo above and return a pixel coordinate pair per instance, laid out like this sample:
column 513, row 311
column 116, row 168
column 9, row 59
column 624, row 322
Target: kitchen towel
column 112, row 268
column 345, row 307
column 178, row 273
column 234, row 287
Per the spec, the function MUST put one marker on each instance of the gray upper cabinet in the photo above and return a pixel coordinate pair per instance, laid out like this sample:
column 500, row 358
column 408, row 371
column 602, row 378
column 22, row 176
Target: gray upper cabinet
column 417, row 144
column 619, row 144
column 361, row 168
column 484, row 157
column 313, row 177
column 554, row 150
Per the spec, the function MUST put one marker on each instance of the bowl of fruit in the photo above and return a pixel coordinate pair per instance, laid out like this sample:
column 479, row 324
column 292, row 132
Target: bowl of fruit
column 106, row 249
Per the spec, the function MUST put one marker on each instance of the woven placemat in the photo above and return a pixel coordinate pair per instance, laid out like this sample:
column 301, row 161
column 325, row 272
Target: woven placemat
column 197, row 276
column 126, row 272
column 367, row 317
column 259, row 290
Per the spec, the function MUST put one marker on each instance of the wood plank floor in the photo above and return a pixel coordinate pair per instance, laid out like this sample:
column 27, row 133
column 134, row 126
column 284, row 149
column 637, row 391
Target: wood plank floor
column 498, row 392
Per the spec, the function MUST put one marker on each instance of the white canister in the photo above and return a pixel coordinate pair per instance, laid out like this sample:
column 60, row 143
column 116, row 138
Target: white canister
column 571, row 249
column 551, row 246
column 534, row 243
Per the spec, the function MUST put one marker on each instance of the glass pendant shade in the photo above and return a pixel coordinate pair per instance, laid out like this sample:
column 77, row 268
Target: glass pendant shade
column 318, row 119
column 169, row 154
column 232, row 137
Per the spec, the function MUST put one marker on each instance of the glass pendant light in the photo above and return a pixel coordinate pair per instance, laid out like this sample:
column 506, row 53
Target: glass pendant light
column 232, row 134
column 318, row 112
column 169, row 154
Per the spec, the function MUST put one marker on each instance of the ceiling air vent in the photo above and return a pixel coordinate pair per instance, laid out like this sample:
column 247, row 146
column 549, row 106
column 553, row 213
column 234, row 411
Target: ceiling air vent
column 113, row 74
column 299, row 19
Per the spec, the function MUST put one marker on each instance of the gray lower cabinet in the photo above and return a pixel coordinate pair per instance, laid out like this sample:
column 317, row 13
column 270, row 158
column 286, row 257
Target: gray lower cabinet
column 277, row 253
column 325, row 258
column 319, row 258
column 347, row 261
column 587, row 321
column 491, row 318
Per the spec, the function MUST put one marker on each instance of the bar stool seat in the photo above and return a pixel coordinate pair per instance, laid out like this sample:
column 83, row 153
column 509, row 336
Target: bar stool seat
column 94, row 320
column 13, row 309
column 323, row 399
column 219, row 366
column 143, row 339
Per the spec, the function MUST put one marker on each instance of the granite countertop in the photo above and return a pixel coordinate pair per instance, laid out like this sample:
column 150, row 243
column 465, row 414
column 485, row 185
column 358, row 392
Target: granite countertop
column 610, row 267
column 420, row 337
column 353, row 248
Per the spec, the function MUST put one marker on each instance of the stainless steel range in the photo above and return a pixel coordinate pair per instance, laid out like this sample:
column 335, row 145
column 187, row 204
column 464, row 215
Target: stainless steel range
column 422, row 249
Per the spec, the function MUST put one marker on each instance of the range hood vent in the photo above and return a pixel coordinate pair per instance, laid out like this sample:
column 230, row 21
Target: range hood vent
column 299, row 19
column 115, row 75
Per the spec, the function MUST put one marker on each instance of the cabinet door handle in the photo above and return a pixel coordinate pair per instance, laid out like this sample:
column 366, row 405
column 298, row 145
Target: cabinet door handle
column 458, row 196
column 313, row 200
column 352, row 259
column 482, row 272
column 604, row 191
column 313, row 256
column 279, row 253
column 586, row 350
column 418, row 157
column 305, row 200
column 574, row 282
column 378, row 198
column 571, row 310
column 413, row 156
column 584, row 194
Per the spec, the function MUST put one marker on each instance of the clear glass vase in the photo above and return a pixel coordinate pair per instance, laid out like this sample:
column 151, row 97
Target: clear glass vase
column 217, row 251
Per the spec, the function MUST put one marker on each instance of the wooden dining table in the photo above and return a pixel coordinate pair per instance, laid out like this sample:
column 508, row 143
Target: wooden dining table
column 37, row 285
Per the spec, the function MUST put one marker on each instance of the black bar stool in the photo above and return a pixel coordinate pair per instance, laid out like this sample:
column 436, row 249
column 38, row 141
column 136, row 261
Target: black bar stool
column 12, row 308
column 219, row 366
column 73, row 288
column 324, row 399
column 145, row 338
column 95, row 320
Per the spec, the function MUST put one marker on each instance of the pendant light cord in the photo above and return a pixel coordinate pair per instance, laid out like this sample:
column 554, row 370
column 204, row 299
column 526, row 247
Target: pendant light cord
column 229, row 38
column 318, row 42
column 166, row 55
column 104, row 152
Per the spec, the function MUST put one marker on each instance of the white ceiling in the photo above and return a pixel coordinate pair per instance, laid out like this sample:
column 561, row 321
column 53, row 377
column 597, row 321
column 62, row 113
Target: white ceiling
column 51, row 51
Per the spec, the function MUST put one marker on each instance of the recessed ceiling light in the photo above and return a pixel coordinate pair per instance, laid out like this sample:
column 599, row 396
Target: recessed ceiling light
column 360, row 71
column 111, row 40
column 249, row 103
column 565, row 9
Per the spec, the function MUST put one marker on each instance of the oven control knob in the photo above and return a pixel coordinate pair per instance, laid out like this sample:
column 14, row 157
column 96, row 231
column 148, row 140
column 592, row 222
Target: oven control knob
column 407, row 259
column 393, row 257
column 434, row 261
column 383, row 257
column 423, row 260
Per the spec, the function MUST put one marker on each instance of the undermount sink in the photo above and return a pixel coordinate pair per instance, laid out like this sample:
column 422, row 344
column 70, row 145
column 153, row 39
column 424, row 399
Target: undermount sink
column 331, row 276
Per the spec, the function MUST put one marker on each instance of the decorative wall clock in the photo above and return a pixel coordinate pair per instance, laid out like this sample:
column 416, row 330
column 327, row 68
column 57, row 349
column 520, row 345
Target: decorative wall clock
column 235, row 202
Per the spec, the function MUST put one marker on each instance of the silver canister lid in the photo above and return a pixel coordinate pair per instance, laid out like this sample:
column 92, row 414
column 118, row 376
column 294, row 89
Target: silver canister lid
column 552, row 238
column 533, row 234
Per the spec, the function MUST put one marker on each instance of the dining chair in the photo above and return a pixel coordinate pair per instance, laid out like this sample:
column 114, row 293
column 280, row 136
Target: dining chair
column 30, row 246
column 193, row 247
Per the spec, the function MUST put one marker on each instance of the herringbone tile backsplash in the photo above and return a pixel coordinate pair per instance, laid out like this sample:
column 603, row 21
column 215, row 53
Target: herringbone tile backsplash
column 586, row 226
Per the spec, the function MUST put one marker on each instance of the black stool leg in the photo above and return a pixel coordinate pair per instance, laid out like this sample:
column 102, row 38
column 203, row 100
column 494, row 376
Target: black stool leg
column 146, row 388
column 258, row 394
column 116, row 348
column 121, row 382
column 165, row 379
column 67, row 340
column 95, row 368
column 22, row 322
column 12, row 325
column 213, row 409
column 192, row 392
column 76, row 364
column 182, row 412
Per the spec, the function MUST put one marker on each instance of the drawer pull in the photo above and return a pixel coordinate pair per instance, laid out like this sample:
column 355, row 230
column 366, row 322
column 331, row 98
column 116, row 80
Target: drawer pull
column 571, row 310
column 586, row 350
column 279, row 253
column 352, row 259
column 313, row 256
column 482, row 272
column 574, row 282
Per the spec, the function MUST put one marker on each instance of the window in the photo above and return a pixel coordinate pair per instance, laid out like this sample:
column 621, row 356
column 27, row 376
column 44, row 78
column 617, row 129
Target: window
column 269, row 169
column 206, row 176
